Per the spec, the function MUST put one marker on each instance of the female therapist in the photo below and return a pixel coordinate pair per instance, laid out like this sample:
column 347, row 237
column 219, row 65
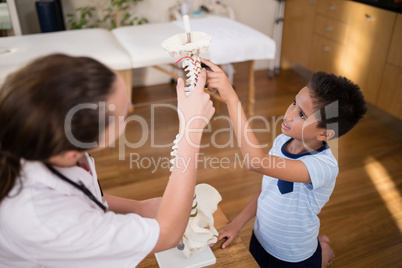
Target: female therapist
column 52, row 213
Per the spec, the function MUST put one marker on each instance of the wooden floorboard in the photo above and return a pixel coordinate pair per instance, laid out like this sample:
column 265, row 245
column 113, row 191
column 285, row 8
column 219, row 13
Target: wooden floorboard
column 363, row 218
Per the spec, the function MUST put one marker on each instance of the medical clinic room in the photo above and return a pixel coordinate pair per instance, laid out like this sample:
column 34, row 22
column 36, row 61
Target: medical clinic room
column 201, row 133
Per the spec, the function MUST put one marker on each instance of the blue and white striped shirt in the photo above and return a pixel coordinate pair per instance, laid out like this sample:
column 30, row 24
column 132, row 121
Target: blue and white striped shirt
column 287, row 225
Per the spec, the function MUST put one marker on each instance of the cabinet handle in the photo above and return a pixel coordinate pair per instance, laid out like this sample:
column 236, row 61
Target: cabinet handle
column 325, row 48
column 331, row 7
column 368, row 17
column 312, row 2
column 328, row 28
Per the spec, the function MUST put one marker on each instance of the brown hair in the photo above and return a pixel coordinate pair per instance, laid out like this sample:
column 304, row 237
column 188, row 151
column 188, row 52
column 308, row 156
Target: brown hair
column 34, row 103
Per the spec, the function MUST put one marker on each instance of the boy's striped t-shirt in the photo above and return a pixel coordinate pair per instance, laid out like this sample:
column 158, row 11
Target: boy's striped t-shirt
column 287, row 224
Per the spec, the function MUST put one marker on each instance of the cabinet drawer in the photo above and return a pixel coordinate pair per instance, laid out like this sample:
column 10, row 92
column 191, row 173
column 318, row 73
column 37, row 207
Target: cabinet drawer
column 390, row 95
column 326, row 55
column 297, row 32
column 395, row 50
column 335, row 9
column 331, row 29
column 368, row 41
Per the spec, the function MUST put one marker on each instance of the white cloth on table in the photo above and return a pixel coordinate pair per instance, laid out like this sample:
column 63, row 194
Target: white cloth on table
column 231, row 41
column 137, row 46
column 143, row 42
column 16, row 51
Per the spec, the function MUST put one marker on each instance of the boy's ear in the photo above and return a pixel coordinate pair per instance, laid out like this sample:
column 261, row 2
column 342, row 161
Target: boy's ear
column 326, row 134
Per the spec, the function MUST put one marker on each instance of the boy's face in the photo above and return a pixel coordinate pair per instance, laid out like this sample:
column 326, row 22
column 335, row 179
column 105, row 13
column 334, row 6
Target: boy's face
column 300, row 122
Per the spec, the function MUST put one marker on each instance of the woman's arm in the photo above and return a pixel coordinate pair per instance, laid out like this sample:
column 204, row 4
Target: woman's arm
column 195, row 112
column 145, row 208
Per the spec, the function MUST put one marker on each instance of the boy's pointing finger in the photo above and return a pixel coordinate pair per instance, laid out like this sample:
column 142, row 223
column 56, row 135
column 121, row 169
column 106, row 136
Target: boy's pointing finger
column 211, row 65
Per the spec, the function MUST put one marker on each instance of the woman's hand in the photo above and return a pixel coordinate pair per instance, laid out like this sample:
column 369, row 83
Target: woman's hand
column 196, row 109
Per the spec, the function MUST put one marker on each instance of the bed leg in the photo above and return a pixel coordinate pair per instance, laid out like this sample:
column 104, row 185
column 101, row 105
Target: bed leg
column 251, row 90
column 128, row 80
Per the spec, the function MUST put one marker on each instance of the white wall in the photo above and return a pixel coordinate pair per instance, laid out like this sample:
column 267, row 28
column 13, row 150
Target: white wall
column 28, row 18
column 258, row 14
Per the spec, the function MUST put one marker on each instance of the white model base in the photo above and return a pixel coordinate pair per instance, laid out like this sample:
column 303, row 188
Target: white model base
column 174, row 258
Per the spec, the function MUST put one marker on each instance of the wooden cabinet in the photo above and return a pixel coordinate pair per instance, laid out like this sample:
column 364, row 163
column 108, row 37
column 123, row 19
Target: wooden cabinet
column 330, row 35
column 326, row 55
column 390, row 95
column 335, row 9
column 314, row 34
column 395, row 50
column 369, row 37
column 350, row 39
column 331, row 29
column 297, row 32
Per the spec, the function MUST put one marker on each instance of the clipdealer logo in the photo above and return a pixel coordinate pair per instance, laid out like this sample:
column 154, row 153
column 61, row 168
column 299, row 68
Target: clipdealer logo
column 153, row 164
column 111, row 128
column 109, row 125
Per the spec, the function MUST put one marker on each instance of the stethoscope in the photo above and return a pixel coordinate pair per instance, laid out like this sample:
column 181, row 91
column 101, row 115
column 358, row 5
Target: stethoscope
column 80, row 186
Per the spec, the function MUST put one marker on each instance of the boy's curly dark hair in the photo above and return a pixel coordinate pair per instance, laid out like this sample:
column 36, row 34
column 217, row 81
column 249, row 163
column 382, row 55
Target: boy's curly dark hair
column 339, row 100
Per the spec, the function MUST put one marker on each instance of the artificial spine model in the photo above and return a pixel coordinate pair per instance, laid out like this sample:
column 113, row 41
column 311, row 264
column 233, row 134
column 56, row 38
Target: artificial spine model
column 192, row 67
column 200, row 231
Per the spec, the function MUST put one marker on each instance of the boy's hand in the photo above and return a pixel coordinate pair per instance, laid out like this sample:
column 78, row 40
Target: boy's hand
column 217, row 79
column 230, row 232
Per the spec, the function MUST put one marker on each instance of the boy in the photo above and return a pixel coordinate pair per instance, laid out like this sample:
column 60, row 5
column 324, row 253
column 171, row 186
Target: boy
column 302, row 177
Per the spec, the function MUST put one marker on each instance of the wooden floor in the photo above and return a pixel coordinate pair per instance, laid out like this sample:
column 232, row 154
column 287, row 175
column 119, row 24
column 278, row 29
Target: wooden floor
column 363, row 218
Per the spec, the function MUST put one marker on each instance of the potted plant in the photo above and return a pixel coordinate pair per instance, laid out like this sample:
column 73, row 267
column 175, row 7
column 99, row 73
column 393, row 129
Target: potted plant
column 118, row 13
